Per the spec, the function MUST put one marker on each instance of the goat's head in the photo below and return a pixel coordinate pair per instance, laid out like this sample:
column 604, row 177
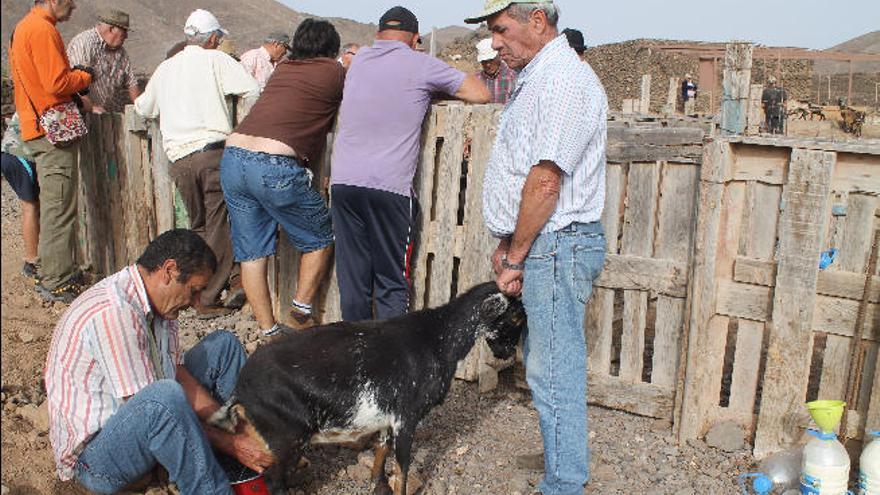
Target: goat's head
column 505, row 319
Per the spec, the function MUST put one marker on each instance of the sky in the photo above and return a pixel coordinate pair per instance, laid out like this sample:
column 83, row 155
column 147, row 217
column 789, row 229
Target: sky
column 816, row 24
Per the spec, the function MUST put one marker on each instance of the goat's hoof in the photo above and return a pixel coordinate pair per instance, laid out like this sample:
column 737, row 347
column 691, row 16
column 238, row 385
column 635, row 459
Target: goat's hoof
column 382, row 488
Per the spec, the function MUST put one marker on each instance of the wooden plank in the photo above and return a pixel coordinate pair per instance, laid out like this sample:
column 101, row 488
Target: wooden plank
column 162, row 184
column 838, row 316
column 614, row 197
column 873, row 415
column 116, row 184
column 287, row 267
column 746, row 364
column 638, row 273
column 870, row 365
column 644, row 399
column 444, row 212
column 620, row 152
column 854, row 250
column 667, row 332
column 676, row 212
column 835, row 362
column 639, row 216
column 858, row 173
column 846, row 285
column 139, row 199
column 632, row 339
column 732, row 207
column 801, row 230
column 837, row 225
column 658, row 136
column 598, row 323
column 423, row 182
column 760, row 163
column 758, row 235
column 753, row 302
column 695, row 377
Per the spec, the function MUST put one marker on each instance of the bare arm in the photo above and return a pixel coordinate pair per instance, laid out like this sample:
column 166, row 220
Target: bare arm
column 239, row 445
column 539, row 197
column 473, row 90
column 133, row 92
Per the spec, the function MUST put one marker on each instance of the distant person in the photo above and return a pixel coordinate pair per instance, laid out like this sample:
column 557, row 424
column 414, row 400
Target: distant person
column 100, row 48
column 348, row 51
column 387, row 94
column 773, row 100
column 188, row 93
column 267, row 171
column 688, row 94
column 575, row 41
column 496, row 75
column 122, row 395
column 261, row 61
column 20, row 171
column 42, row 77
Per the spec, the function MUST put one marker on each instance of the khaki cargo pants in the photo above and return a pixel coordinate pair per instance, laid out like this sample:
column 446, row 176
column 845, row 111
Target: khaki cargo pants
column 58, row 176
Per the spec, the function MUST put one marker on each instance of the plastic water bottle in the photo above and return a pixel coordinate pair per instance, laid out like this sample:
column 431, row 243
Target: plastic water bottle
column 826, row 465
column 869, row 467
column 784, row 468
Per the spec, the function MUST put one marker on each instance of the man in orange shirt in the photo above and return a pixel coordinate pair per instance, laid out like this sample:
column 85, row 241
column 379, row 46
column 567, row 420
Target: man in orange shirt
column 43, row 78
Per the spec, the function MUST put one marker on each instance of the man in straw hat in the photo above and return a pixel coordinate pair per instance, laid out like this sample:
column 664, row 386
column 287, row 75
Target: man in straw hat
column 496, row 75
column 543, row 195
column 261, row 61
column 100, row 48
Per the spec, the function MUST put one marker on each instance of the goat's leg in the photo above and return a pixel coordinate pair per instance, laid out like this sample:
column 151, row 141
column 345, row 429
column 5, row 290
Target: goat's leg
column 403, row 454
column 383, row 446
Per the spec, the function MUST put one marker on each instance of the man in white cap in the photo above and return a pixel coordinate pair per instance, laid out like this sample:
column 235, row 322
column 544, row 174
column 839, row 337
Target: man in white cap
column 189, row 92
column 496, row 75
column 543, row 195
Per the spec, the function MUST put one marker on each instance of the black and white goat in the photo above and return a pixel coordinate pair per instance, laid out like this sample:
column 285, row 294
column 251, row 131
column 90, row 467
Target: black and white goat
column 342, row 381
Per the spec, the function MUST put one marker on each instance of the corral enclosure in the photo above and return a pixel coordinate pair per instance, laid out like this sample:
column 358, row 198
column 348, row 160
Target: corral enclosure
column 711, row 306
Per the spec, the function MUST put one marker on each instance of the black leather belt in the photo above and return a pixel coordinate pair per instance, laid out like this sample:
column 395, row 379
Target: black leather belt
column 216, row 145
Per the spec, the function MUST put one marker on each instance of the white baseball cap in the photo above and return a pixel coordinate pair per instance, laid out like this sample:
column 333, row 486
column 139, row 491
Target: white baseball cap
column 202, row 22
column 485, row 51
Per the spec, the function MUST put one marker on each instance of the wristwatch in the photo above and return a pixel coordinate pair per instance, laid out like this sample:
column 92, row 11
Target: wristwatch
column 512, row 266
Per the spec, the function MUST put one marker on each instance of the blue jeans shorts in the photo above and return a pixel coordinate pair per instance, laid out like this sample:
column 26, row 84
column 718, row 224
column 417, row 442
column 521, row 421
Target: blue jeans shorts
column 263, row 191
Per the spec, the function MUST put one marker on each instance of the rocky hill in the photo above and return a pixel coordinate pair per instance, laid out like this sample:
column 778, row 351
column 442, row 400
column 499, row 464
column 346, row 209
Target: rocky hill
column 866, row 43
column 158, row 24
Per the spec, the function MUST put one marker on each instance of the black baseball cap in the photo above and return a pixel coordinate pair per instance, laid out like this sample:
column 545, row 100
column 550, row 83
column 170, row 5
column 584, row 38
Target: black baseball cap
column 399, row 18
column 575, row 39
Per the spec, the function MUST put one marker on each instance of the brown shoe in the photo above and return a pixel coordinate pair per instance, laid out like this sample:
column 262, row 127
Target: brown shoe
column 300, row 321
column 235, row 296
column 208, row 312
column 531, row 462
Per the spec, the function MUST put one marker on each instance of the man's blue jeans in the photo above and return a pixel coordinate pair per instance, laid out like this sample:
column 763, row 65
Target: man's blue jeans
column 158, row 425
column 558, row 280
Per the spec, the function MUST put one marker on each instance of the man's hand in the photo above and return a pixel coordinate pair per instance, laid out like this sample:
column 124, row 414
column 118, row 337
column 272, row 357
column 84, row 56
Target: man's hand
column 510, row 282
column 98, row 109
column 250, row 453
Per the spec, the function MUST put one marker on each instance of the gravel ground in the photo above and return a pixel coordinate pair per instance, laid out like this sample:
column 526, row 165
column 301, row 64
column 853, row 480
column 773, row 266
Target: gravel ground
column 465, row 446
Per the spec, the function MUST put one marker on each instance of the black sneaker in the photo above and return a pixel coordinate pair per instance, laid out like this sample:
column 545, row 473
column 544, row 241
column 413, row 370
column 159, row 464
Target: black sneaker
column 30, row 270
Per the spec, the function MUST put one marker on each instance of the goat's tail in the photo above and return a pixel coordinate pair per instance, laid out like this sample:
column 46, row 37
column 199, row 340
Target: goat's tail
column 226, row 418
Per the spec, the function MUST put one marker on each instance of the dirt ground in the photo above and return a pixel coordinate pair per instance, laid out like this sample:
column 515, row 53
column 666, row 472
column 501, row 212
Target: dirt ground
column 830, row 128
column 466, row 446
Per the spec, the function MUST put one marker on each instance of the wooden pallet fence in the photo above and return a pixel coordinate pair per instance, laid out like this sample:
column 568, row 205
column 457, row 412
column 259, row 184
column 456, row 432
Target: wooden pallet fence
column 768, row 330
column 635, row 317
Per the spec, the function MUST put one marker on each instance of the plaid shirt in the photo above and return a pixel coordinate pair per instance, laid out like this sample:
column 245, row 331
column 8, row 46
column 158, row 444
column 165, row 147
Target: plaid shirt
column 113, row 72
column 501, row 86
column 99, row 355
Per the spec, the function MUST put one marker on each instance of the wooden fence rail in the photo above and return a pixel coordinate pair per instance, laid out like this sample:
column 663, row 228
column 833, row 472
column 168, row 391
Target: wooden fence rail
column 711, row 306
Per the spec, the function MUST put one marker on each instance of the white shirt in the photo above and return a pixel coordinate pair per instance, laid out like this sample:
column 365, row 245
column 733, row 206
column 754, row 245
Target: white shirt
column 258, row 63
column 189, row 92
column 558, row 113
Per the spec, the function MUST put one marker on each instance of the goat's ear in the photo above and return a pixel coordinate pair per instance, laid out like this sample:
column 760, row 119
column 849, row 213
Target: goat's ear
column 494, row 305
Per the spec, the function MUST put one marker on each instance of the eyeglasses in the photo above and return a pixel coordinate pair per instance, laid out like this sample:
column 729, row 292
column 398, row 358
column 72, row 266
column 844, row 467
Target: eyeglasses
column 350, row 53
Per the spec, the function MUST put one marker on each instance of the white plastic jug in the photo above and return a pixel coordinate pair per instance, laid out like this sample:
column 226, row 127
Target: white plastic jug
column 869, row 467
column 825, row 468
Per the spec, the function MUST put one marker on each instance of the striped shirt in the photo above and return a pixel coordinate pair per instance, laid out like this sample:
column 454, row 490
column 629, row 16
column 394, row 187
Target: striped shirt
column 557, row 112
column 113, row 72
column 99, row 355
column 500, row 85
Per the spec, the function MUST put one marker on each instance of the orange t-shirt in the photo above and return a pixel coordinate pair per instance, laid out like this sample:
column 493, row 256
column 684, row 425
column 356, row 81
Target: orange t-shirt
column 40, row 70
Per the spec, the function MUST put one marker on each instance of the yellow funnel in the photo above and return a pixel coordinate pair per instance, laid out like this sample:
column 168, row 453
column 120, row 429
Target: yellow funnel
column 826, row 413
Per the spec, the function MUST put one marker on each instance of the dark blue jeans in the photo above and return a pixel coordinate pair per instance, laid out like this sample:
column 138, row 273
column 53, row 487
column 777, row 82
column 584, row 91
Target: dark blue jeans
column 158, row 425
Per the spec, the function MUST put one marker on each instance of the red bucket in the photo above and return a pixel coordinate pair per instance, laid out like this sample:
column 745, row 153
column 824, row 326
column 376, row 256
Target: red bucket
column 253, row 486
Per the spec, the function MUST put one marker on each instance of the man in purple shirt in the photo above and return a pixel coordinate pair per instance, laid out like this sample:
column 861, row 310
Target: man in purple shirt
column 387, row 92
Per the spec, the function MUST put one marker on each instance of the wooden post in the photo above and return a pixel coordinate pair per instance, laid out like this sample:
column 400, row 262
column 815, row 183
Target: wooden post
column 736, row 84
column 163, row 188
column 645, row 95
column 671, row 97
column 755, row 113
column 801, row 234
